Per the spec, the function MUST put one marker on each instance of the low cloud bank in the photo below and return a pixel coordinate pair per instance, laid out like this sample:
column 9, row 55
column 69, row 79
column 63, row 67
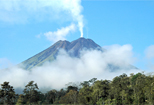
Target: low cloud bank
column 65, row 69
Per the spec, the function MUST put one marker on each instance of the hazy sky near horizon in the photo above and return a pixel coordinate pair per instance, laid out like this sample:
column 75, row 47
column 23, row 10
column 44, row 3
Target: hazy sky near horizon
column 27, row 28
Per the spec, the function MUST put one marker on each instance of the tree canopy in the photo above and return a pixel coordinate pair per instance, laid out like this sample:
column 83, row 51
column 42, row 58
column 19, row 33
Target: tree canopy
column 136, row 89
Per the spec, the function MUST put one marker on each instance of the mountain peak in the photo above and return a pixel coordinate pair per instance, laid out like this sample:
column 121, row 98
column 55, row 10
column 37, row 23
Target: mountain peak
column 73, row 48
column 77, row 45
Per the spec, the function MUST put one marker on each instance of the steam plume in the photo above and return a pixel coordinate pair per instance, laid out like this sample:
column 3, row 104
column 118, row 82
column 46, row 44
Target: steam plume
column 60, row 34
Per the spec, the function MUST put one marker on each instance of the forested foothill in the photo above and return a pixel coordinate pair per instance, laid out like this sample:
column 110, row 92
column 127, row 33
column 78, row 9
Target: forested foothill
column 136, row 89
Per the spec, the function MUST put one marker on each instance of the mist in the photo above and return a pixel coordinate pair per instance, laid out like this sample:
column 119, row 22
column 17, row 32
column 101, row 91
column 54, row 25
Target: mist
column 65, row 69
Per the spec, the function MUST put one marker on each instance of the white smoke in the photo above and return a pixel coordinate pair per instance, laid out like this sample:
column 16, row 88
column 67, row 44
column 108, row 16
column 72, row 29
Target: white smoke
column 21, row 11
column 60, row 34
column 65, row 69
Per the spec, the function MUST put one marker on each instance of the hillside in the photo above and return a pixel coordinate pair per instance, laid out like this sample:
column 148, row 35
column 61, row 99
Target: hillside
column 50, row 53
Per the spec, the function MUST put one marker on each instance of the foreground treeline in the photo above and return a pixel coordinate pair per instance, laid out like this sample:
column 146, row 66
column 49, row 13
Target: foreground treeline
column 137, row 89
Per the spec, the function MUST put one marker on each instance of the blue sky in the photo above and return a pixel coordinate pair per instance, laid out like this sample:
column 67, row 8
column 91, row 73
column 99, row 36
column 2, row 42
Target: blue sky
column 24, row 26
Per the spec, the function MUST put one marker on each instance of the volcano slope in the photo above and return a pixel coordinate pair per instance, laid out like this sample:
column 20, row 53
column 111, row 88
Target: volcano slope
column 49, row 54
column 73, row 48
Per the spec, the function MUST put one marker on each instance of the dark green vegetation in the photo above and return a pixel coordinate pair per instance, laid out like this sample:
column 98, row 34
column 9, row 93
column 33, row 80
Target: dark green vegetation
column 136, row 89
column 73, row 48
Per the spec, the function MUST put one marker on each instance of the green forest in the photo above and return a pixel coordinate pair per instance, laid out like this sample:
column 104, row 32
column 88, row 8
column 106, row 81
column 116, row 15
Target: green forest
column 136, row 89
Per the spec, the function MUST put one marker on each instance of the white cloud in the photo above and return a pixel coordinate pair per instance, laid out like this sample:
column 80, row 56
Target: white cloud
column 4, row 62
column 65, row 69
column 16, row 76
column 60, row 34
column 39, row 35
column 149, row 54
column 123, row 54
column 21, row 11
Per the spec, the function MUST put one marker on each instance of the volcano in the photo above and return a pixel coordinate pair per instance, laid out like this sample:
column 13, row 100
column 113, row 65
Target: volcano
column 49, row 54
column 72, row 48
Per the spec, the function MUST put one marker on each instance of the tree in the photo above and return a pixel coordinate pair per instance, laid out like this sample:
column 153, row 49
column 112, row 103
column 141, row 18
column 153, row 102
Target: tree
column 138, row 84
column 61, row 93
column 101, row 90
column 85, row 83
column 31, row 94
column 71, row 88
column 92, row 81
column 7, row 93
column 21, row 100
column 70, row 97
column 149, row 84
column 85, row 95
column 126, row 90
column 51, row 96
column 116, row 88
